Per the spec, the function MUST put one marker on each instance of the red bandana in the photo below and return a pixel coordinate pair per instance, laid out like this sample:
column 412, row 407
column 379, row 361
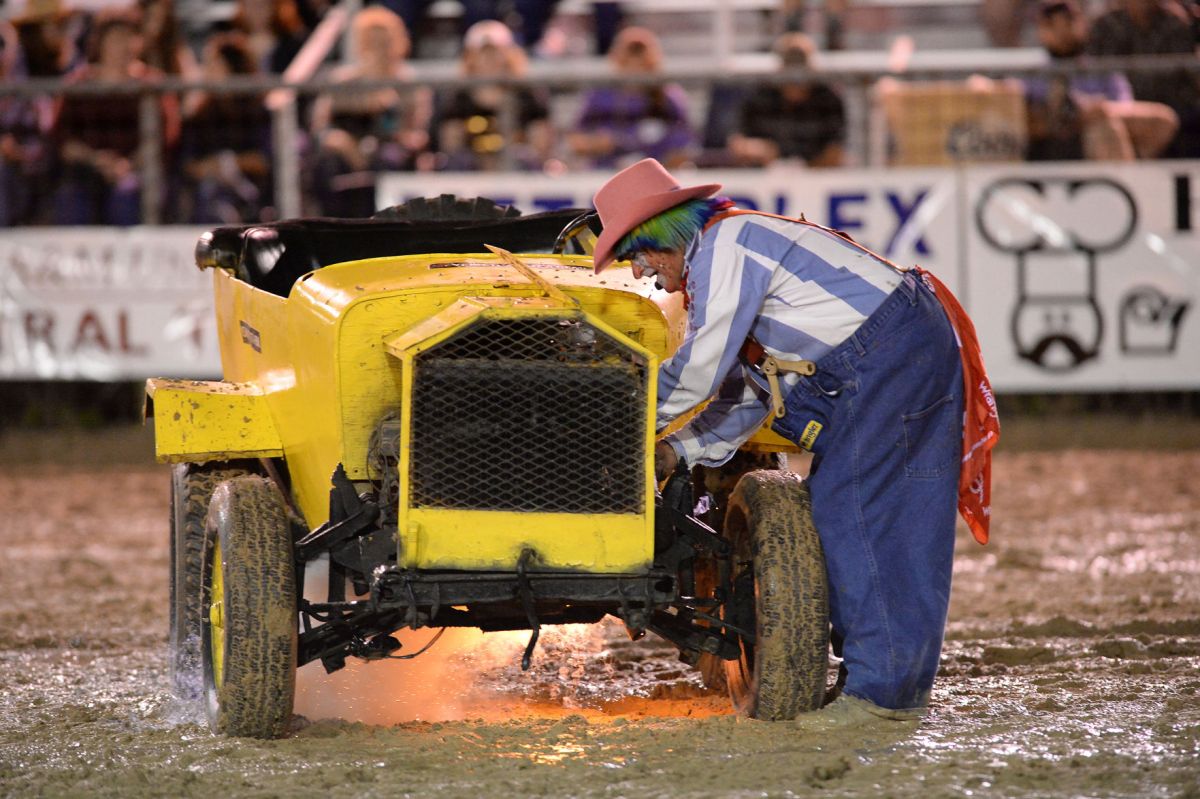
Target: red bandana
column 981, row 423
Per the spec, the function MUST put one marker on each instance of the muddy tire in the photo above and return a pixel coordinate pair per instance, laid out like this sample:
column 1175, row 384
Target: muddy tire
column 781, row 592
column 248, row 626
column 719, row 482
column 192, row 485
column 447, row 207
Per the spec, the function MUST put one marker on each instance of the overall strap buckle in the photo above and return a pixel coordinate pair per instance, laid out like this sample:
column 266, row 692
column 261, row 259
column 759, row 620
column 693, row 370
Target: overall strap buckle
column 771, row 367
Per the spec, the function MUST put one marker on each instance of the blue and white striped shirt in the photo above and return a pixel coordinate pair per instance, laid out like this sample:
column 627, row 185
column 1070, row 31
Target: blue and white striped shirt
column 800, row 290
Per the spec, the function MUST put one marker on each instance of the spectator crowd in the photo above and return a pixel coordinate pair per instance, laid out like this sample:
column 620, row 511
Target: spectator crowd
column 76, row 157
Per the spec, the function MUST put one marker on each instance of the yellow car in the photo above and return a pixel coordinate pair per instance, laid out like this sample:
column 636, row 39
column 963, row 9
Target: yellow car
column 459, row 436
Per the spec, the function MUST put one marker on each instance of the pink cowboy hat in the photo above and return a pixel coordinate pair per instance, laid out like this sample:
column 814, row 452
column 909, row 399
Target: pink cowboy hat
column 634, row 195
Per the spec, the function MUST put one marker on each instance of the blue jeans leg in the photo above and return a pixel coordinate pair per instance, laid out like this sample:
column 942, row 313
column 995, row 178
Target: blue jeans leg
column 884, row 488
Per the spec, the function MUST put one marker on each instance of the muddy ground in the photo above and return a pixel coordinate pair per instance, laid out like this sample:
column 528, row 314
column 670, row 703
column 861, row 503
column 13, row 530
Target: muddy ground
column 1071, row 666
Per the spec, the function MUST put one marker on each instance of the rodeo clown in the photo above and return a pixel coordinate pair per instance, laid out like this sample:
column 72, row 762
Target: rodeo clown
column 883, row 412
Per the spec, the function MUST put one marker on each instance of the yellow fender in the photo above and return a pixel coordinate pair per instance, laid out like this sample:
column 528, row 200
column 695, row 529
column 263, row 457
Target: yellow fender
column 208, row 420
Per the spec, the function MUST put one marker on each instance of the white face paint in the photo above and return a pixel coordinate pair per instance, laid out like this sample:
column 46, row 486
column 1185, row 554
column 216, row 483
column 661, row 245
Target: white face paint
column 642, row 263
column 666, row 267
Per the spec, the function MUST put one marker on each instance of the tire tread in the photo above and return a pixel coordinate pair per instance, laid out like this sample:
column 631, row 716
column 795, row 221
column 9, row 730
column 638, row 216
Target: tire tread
column 257, row 694
column 192, row 486
column 771, row 515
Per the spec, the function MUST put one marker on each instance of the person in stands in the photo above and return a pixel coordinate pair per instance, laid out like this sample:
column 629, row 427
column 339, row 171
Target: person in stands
column 22, row 141
column 48, row 32
column 225, row 148
column 274, row 30
column 1156, row 27
column 623, row 122
column 473, row 132
column 363, row 131
column 804, row 120
column 163, row 46
column 98, row 135
column 1086, row 115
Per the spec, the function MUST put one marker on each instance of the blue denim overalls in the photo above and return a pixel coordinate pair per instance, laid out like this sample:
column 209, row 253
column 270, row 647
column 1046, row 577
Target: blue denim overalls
column 884, row 486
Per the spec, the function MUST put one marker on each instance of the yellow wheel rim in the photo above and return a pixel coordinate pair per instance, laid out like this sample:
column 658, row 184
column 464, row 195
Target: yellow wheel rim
column 216, row 618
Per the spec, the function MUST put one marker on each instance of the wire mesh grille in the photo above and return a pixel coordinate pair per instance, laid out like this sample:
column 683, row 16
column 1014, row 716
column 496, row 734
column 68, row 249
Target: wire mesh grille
column 534, row 414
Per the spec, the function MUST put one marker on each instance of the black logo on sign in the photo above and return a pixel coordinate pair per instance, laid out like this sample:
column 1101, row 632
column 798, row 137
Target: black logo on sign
column 1058, row 329
column 1150, row 322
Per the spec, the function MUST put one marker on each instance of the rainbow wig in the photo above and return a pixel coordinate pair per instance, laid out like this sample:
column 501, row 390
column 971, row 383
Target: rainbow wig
column 673, row 229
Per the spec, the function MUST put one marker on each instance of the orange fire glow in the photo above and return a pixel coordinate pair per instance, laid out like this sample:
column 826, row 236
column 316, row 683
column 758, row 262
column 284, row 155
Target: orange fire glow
column 469, row 674
column 436, row 686
column 592, row 670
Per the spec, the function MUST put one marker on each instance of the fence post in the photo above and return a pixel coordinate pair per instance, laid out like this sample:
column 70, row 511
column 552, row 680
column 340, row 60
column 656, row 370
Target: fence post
column 723, row 26
column 349, row 47
column 150, row 154
column 286, row 157
column 875, row 126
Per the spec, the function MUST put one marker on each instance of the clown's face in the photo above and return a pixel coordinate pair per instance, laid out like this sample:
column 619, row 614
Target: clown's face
column 665, row 265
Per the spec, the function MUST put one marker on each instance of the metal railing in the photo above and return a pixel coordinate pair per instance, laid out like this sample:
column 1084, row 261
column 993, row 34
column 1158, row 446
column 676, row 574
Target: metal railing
column 287, row 99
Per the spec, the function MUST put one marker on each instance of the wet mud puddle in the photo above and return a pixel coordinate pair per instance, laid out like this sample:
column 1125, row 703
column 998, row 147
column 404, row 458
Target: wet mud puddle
column 1071, row 668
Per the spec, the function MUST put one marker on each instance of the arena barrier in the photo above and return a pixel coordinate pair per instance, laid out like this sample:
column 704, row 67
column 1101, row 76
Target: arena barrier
column 1079, row 278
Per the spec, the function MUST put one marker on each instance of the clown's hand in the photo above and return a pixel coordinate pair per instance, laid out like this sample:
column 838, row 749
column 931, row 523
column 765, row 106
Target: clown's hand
column 665, row 460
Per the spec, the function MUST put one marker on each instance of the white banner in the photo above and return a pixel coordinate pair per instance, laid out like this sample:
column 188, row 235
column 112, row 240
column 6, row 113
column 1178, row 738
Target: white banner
column 104, row 304
column 1079, row 278
column 1083, row 278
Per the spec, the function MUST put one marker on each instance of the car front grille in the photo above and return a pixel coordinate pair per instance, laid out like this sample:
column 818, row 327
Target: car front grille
column 535, row 414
